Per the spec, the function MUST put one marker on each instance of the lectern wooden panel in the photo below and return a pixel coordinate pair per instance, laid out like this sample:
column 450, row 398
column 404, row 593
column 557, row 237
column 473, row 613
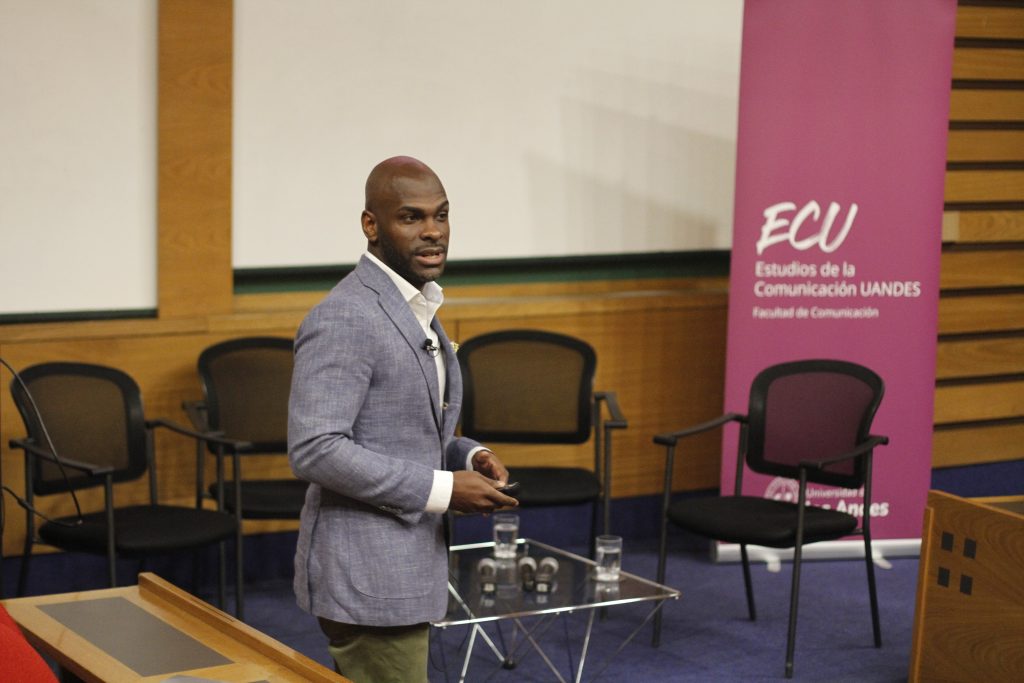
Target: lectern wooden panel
column 154, row 632
column 969, row 620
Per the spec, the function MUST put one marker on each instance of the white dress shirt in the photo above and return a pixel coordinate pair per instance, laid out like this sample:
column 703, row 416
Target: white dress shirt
column 424, row 305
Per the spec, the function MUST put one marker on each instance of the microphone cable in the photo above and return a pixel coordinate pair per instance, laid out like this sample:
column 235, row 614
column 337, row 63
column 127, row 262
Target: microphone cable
column 60, row 465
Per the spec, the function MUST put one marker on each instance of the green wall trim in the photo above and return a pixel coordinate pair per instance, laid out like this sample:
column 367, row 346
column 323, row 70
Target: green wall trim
column 712, row 263
column 75, row 316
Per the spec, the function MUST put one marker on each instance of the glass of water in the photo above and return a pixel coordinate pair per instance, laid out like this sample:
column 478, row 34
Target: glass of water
column 506, row 531
column 608, row 555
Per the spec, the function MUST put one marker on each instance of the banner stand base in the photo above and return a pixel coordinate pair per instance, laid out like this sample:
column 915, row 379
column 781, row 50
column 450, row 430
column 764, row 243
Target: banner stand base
column 824, row 550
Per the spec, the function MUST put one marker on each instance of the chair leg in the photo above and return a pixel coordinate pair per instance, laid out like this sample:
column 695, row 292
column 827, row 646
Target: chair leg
column 23, row 570
column 112, row 567
column 593, row 530
column 869, row 559
column 748, row 584
column 793, row 600
column 239, row 580
column 197, row 576
column 111, row 531
column 662, row 549
column 221, row 574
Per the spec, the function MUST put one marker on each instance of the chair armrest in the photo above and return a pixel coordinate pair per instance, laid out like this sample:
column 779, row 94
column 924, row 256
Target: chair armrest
column 618, row 420
column 862, row 448
column 670, row 438
column 197, row 415
column 210, row 437
column 90, row 469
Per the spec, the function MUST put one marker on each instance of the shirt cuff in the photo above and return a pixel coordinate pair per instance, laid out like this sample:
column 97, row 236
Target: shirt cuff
column 440, row 492
column 469, row 458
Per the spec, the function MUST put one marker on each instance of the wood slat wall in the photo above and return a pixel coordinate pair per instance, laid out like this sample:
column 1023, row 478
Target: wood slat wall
column 997, row 22
column 661, row 343
column 983, row 226
column 995, row 63
column 979, row 398
column 976, row 104
column 194, row 157
column 986, row 145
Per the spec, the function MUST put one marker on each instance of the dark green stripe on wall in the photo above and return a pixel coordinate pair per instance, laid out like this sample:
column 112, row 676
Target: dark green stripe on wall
column 76, row 316
column 711, row 263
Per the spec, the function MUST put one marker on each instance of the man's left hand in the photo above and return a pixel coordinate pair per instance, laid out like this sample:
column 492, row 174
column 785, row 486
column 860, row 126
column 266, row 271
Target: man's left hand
column 488, row 464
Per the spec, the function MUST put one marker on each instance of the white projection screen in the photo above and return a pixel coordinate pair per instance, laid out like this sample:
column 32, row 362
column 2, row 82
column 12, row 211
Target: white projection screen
column 77, row 155
column 559, row 127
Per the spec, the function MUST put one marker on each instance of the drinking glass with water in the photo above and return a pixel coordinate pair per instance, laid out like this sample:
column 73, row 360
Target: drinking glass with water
column 608, row 555
column 506, row 531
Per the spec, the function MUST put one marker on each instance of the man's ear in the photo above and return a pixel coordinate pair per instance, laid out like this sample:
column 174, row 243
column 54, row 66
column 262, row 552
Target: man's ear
column 369, row 227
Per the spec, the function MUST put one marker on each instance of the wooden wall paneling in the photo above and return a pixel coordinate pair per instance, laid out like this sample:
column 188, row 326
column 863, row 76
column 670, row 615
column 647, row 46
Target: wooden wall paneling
column 667, row 367
column 988, row 64
column 716, row 286
column 194, row 157
column 979, row 401
column 985, row 145
column 974, row 104
column 967, row 227
column 1002, row 185
column 975, row 444
column 681, row 328
column 976, row 268
column 164, row 366
column 999, row 23
column 980, row 357
column 986, row 312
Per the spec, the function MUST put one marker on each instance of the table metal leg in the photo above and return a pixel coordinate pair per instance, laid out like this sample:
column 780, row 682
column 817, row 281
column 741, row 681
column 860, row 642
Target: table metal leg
column 608, row 660
column 536, row 646
column 586, row 645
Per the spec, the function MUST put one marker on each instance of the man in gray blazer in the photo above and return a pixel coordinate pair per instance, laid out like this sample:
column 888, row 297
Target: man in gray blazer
column 375, row 398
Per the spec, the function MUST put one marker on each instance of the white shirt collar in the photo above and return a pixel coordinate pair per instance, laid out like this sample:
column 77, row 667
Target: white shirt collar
column 424, row 303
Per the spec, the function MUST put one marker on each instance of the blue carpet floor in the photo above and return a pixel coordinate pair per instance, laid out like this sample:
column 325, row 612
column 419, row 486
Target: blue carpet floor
column 706, row 635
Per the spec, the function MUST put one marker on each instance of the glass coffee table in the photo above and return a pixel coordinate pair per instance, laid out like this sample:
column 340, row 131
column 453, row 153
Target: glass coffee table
column 498, row 594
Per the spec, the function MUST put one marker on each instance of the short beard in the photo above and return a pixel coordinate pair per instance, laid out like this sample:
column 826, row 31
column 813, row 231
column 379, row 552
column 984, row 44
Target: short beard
column 396, row 261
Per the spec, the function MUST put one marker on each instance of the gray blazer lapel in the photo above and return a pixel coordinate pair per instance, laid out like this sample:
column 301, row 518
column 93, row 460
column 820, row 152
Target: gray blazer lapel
column 453, row 381
column 397, row 308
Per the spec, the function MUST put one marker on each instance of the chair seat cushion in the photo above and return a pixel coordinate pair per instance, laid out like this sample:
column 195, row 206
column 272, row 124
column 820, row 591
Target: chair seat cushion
column 544, row 486
column 266, row 499
column 758, row 521
column 141, row 530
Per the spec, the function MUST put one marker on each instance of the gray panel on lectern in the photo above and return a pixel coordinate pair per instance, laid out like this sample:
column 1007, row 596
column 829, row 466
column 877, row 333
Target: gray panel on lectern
column 141, row 641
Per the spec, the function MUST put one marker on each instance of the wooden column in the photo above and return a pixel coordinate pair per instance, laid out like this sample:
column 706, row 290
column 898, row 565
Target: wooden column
column 194, row 157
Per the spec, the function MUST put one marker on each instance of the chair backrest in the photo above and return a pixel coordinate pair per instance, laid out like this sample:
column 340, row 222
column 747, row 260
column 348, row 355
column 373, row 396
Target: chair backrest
column 809, row 410
column 92, row 413
column 527, row 386
column 246, row 382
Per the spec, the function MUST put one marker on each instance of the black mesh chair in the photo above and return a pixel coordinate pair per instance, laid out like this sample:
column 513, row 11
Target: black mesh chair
column 534, row 387
column 245, row 383
column 94, row 418
column 809, row 421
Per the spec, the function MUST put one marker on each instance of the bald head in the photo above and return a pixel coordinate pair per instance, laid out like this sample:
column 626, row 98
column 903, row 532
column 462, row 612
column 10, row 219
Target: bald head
column 406, row 219
column 381, row 183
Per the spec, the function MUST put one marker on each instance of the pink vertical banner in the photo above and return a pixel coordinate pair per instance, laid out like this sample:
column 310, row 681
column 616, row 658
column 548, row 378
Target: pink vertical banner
column 844, row 109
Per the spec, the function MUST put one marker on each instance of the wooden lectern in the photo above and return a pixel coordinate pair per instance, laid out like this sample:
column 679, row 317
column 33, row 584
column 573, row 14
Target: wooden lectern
column 969, row 619
column 155, row 632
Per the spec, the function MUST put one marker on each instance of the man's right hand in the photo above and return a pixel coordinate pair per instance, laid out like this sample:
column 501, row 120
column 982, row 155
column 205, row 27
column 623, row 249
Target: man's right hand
column 473, row 492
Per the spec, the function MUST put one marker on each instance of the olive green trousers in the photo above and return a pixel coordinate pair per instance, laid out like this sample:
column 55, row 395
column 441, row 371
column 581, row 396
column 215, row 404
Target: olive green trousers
column 378, row 654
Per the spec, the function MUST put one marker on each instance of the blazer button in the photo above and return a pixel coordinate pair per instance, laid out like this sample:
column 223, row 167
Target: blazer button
column 444, row 406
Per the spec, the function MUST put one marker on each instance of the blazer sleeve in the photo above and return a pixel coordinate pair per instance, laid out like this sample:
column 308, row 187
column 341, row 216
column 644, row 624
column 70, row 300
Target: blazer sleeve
column 457, row 453
column 336, row 349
